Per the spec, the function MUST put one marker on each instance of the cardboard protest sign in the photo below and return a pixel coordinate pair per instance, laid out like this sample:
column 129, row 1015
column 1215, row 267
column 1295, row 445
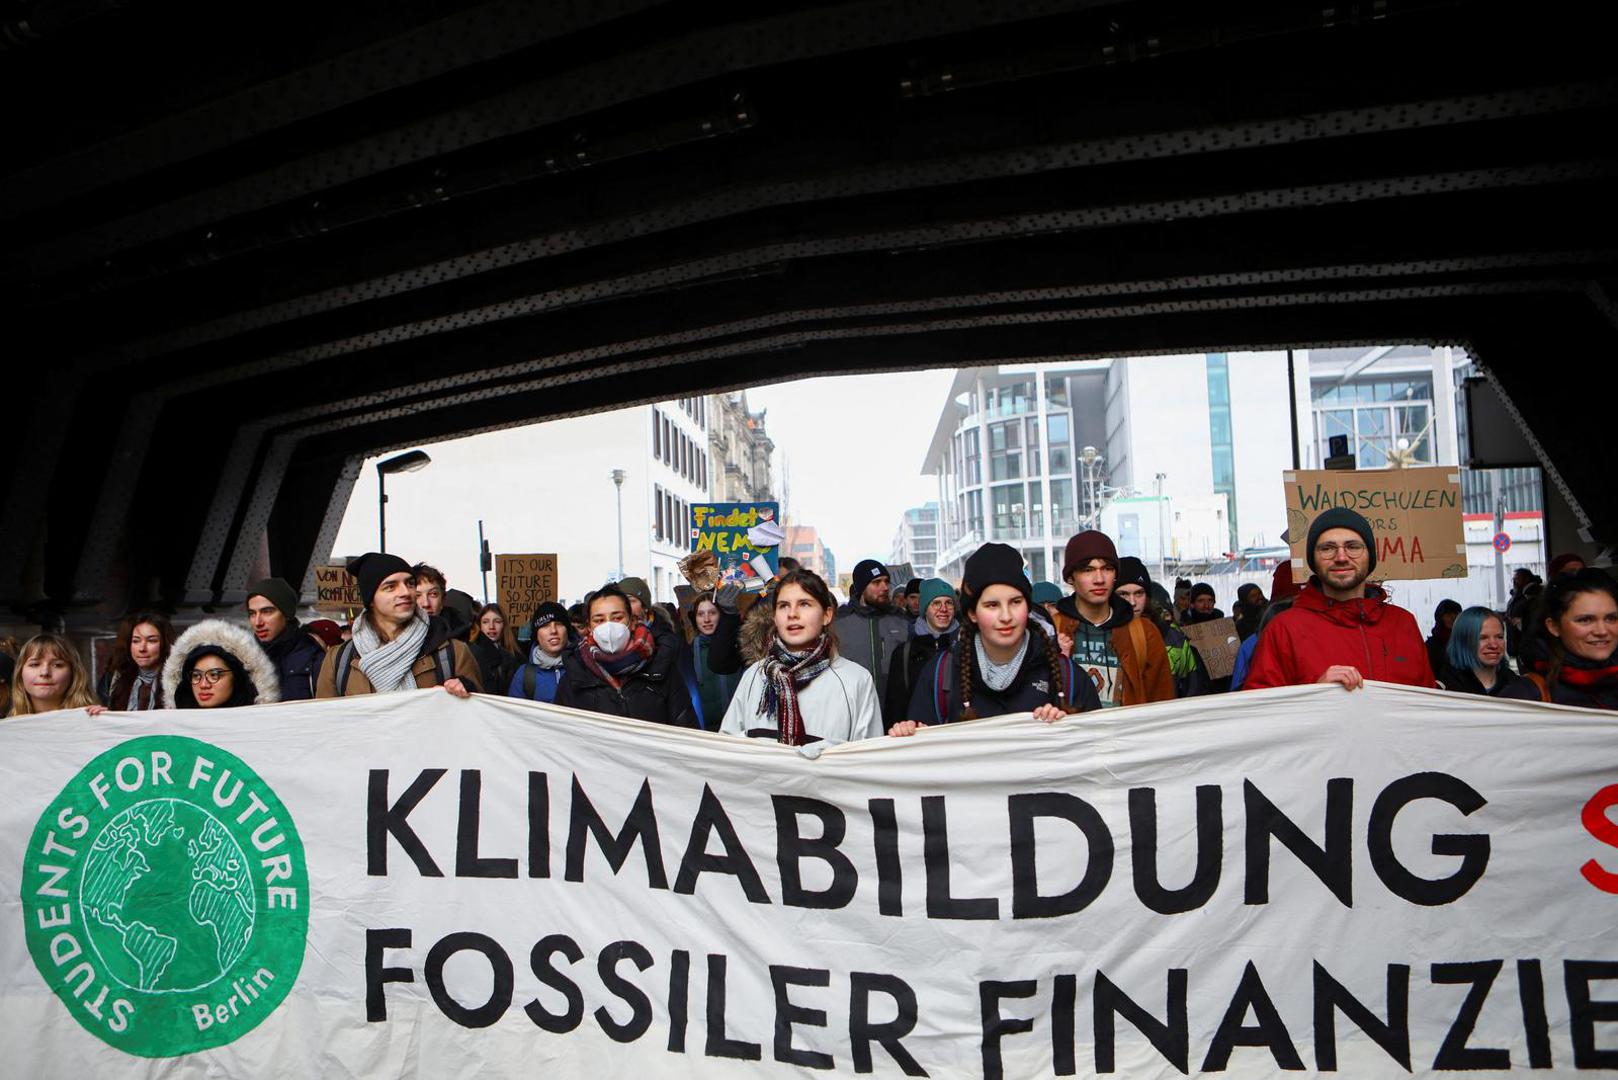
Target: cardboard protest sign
column 722, row 528
column 1414, row 513
column 1366, row 884
column 336, row 590
column 523, row 582
column 1216, row 642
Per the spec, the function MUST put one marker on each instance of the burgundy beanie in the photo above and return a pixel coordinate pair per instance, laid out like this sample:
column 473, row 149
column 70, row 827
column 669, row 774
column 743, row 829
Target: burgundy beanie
column 1088, row 545
column 1558, row 564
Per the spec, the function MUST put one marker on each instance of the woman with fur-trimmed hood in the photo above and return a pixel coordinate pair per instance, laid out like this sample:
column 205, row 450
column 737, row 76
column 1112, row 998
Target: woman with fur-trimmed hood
column 216, row 664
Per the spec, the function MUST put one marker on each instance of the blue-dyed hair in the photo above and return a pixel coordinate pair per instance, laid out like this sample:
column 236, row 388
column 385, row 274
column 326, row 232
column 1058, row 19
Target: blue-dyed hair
column 1463, row 637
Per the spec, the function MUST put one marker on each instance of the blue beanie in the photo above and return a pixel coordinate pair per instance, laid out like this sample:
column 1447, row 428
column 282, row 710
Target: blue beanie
column 1047, row 592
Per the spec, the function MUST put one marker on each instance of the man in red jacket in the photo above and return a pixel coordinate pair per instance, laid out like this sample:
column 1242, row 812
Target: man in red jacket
column 1340, row 629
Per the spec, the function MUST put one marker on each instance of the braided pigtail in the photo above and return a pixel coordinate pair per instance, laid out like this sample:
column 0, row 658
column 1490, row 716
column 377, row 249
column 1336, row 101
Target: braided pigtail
column 1053, row 660
column 965, row 644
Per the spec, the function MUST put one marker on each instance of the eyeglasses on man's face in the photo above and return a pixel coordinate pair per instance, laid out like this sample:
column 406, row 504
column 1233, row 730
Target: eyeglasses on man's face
column 1352, row 548
column 210, row 676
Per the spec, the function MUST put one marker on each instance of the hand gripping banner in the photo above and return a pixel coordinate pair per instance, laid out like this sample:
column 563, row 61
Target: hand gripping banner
column 1373, row 883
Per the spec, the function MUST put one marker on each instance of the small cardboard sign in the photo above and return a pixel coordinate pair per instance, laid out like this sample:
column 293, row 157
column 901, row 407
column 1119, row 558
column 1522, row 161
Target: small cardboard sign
column 336, row 590
column 523, row 582
column 1415, row 515
column 1216, row 641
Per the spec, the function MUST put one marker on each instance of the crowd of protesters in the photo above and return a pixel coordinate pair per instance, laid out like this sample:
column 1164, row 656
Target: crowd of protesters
column 794, row 666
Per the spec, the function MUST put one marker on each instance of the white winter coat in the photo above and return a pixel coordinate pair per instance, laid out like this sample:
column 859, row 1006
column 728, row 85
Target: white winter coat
column 839, row 706
column 236, row 640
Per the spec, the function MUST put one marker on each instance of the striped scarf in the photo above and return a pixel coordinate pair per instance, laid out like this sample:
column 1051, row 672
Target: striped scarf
column 386, row 664
column 785, row 673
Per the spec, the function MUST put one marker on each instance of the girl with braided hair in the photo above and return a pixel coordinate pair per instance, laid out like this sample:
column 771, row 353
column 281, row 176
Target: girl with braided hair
column 1002, row 662
column 803, row 691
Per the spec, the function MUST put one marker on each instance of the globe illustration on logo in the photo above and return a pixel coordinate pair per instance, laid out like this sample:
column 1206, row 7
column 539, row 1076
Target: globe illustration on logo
column 167, row 897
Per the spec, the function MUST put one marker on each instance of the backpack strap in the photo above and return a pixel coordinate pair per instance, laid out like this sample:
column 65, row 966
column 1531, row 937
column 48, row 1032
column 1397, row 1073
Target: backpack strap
column 528, row 678
column 344, row 657
column 1073, row 676
column 444, row 662
column 1539, row 681
column 940, row 705
column 1137, row 641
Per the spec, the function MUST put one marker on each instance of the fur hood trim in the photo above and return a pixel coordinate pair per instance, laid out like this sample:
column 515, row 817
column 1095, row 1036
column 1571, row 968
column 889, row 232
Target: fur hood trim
column 236, row 640
column 758, row 627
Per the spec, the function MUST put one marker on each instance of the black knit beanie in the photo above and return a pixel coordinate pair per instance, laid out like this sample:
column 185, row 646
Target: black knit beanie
column 1339, row 518
column 865, row 572
column 372, row 568
column 279, row 593
column 994, row 564
column 1131, row 571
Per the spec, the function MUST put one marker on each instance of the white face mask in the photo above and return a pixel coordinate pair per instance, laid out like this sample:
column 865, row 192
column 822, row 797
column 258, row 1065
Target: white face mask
column 611, row 636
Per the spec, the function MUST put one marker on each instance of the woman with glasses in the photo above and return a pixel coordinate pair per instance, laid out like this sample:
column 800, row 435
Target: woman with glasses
column 216, row 665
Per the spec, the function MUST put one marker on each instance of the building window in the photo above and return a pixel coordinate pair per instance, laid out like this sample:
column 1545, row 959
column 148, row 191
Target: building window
column 1219, row 432
column 1056, row 390
column 1377, row 416
column 1063, row 515
column 1057, row 431
column 1011, row 400
column 1005, row 456
column 974, row 460
column 1008, row 509
column 974, row 512
column 657, row 503
column 657, row 435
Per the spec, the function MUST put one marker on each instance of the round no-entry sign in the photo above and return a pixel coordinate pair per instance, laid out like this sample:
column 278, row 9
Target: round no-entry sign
column 1502, row 542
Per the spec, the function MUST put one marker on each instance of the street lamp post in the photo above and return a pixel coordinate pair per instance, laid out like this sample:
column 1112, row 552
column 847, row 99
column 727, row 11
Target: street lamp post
column 413, row 461
column 618, row 482
column 1162, row 540
column 1091, row 459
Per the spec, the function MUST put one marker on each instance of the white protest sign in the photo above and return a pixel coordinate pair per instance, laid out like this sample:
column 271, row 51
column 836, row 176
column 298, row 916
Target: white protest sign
column 411, row 885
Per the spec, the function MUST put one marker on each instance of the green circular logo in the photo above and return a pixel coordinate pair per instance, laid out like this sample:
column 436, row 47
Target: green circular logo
column 165, row 897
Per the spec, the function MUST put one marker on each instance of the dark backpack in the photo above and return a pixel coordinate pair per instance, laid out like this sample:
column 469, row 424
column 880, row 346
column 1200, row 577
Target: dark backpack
column 443, row 664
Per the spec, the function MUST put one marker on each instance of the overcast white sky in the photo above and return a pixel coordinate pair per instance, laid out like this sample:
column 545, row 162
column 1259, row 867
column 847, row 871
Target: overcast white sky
column 853, row 452
column 854, row 445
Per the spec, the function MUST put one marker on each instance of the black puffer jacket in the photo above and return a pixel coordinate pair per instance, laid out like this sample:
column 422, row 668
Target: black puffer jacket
column 655, row 693
column 495, row 663
column 906, row 667
column 297, row 658
column 1507, row 683
column 937, row 692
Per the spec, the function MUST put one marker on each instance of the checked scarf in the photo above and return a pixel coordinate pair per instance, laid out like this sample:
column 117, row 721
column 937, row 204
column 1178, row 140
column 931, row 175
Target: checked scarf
column 786, row 673
column 614, row 668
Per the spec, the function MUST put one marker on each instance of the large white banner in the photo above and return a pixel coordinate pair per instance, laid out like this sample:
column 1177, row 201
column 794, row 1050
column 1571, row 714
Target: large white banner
column 411, row 885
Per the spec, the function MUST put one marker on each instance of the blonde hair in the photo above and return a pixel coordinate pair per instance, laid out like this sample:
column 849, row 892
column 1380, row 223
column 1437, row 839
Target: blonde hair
column 79, row 694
